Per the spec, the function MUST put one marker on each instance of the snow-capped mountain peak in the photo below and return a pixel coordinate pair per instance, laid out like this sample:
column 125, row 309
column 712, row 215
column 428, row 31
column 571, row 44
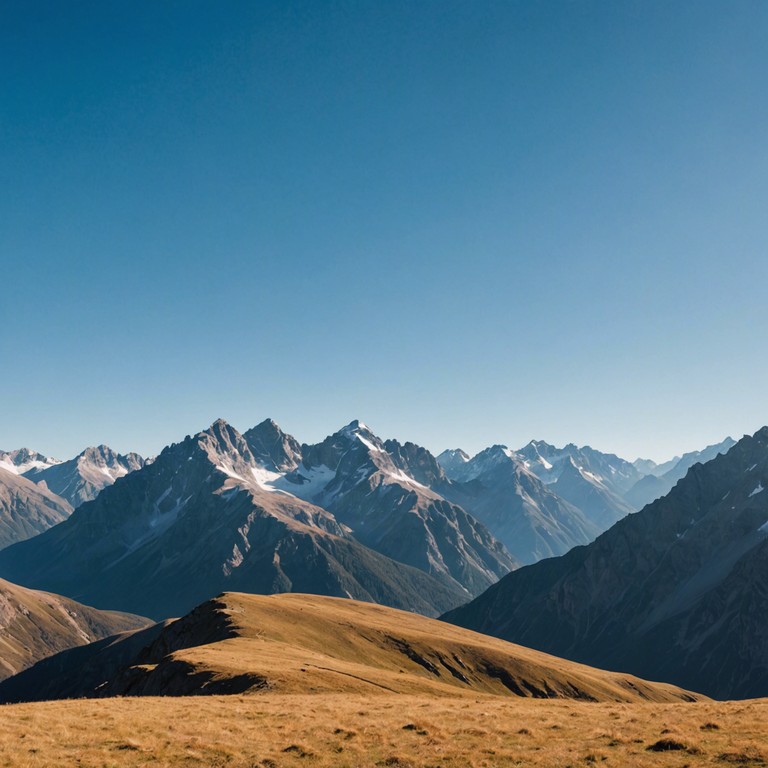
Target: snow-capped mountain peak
column 484, row 461
column 22, row 460
column 452, row 460
column 82, row 478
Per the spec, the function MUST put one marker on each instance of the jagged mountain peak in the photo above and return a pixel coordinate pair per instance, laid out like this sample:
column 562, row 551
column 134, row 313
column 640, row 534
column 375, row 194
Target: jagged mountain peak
column 496, row 452
column 359, row 430
column 273, row 448
column 354, row 438
column 416, row 462
column 23, row 460
column 100, row 454
column 82, row 478
column 223, row 446
column 25, row 455
column 219, row 426
column 452, row 461
column 489, row 458
column 105, row 457
column 354, row 426
column 539, row 445
column 455, row 453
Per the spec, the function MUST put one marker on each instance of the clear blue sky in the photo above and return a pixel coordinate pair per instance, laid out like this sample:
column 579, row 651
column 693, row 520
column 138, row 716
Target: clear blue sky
column 462, row 222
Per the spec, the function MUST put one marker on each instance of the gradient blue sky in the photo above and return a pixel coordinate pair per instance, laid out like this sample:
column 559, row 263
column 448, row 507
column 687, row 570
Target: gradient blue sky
column 462, row 222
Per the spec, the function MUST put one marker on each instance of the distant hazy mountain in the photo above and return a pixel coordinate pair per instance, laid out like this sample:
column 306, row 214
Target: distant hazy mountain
column 27, row 509
column 452, row 461
column 207, row 516
column 650, row 467
column 658, row 484
column 547, row 462
column 520, row 496
column 590, row 494
column 676, row 592
column 84, row 477
column 521, row 511
column 36, row 624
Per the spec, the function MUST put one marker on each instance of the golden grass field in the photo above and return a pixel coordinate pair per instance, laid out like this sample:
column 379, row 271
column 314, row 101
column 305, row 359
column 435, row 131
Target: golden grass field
column 271, row 730
column 341, row 683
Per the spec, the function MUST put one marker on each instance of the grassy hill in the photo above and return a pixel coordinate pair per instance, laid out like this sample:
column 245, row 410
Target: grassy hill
column 308, row 644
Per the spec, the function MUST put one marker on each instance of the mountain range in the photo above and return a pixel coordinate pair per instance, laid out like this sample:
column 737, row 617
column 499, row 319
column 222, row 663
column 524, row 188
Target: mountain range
column 387, row 522
column 208, row 515
column 676, row 592
column 261, row 512
column 37, row 492
column 76, row 480
column 530, row 519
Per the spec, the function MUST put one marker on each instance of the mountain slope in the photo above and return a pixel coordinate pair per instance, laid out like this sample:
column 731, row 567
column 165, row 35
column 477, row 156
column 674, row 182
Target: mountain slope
column 310, row 644
column 374, row 491
column 678, row 591
column 34, row 625
column 273, row 448
column 84, row 477
column 589, row 494
column 27, row 509
column 201, row 519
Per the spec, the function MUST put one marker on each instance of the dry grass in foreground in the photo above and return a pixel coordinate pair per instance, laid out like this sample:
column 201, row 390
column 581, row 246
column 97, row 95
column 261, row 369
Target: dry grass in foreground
column 276, row 731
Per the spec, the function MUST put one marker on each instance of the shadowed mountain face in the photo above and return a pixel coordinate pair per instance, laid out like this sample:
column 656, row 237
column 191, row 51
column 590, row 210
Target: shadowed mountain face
column 272, row 448
column 27, row 509
column 34, row 625
column 678, row 591
column 206, row 516
column 240, row 643
column 84, row 477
